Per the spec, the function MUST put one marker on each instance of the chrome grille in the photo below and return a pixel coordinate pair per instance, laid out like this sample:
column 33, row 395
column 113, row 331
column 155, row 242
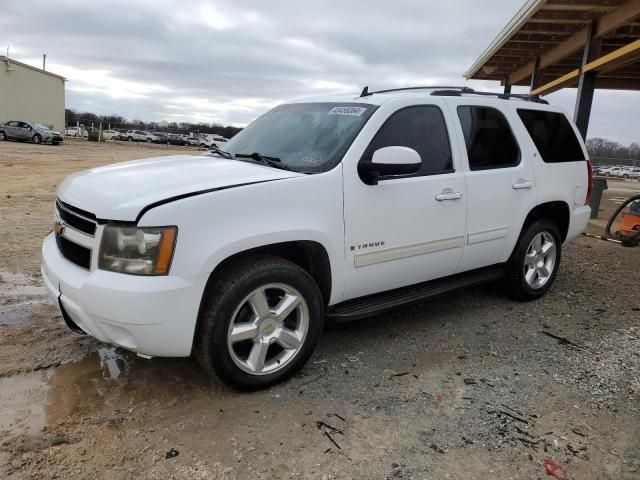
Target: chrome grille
column 76, row 218
column 75, row 234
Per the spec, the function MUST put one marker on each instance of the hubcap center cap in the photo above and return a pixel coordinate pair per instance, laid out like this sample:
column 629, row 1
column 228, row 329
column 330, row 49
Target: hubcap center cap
column 267, row 327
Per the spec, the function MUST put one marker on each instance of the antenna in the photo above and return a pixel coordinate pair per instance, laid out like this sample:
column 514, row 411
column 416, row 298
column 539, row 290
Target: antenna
column 44, row 61
column 365, row 92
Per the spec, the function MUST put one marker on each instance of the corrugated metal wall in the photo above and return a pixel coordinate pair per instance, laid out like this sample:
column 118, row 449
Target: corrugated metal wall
column 29, row 95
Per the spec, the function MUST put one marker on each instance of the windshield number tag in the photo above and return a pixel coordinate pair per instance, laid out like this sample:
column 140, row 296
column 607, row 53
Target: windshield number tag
column 352, row 111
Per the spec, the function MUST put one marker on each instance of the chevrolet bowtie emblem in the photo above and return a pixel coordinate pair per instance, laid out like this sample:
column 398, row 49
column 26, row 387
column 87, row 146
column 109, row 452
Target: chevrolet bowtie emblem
column 58, row 227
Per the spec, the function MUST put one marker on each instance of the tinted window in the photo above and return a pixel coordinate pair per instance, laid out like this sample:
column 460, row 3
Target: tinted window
column 421, row 128
column 488, row 137
column 553, row 136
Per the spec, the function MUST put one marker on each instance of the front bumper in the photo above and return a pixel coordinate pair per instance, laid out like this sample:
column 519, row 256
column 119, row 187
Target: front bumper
column 153, row 316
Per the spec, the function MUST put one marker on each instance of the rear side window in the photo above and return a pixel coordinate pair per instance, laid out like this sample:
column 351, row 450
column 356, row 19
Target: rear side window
column 553, row 136
column 421, row 128
column 488, row 137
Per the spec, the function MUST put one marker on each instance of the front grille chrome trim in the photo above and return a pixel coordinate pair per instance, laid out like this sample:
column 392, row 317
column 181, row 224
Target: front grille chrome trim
column 76, row 218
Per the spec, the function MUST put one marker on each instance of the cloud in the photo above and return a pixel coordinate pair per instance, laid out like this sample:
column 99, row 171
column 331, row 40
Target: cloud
column 228, row 61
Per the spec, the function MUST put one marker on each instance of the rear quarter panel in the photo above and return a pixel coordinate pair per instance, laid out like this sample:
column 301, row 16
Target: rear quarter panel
column 562, row 181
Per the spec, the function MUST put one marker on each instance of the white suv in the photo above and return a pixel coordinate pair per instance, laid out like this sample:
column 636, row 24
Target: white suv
column 339, row 207
column 136, row 136
column 212, row 141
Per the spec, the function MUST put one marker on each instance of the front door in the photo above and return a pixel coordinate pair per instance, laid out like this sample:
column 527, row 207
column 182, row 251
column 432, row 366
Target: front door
column 23, row 131
column 408, row 229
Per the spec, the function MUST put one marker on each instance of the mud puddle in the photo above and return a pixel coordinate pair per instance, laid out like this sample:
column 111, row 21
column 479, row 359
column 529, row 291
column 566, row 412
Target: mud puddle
column 107, row 380
column 18, row 294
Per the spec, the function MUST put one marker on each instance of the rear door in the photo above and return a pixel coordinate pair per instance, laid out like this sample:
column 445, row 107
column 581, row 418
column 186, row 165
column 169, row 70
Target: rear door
column 500, row 179
column 11, row 130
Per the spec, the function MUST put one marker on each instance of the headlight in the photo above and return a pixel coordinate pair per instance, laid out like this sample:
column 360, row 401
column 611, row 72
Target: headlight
column 137, row 250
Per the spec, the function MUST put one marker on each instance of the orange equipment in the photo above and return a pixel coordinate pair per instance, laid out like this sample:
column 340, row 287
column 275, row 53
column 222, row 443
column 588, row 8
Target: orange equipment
column 629, row 231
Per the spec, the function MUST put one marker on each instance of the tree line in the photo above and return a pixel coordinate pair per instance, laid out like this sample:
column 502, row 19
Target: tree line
column 72, row 117
column 597, row 147
column 603, row 148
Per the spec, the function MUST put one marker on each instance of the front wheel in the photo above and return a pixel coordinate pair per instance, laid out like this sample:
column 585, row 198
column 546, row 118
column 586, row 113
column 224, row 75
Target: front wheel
column 260, row 322
column 2, row 136
column 37, row 139
column 534, row 263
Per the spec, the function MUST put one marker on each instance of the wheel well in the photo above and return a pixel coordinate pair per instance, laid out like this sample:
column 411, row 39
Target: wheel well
column 308, row 255
column 558, row 212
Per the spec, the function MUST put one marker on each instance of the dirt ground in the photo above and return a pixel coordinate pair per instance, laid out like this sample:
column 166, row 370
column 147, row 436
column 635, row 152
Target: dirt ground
column 471, row 386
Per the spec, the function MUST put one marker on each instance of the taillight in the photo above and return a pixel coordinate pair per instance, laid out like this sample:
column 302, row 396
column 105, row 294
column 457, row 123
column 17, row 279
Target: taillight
column 590, row 182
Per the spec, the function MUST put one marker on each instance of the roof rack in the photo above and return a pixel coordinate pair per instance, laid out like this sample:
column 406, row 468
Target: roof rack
column 458, row 91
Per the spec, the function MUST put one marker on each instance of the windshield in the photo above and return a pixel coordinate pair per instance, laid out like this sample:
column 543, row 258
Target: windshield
column 306, row 137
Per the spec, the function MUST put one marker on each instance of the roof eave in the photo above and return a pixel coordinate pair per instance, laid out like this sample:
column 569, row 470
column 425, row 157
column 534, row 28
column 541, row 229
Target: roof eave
column 523, row 15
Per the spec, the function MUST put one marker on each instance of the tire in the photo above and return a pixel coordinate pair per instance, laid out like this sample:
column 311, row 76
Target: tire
column 149, row 140
column 530, row 270
column 233, row 297
column 2, row 136
column 37, row 139
column 55, row 144
column 130, row 139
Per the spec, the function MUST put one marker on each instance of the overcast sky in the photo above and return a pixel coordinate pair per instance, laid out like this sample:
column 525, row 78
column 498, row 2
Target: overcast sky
column 229, row 61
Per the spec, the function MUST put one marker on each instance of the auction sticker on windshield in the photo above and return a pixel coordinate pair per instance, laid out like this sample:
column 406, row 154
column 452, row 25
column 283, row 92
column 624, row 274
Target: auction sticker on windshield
column 353, row 111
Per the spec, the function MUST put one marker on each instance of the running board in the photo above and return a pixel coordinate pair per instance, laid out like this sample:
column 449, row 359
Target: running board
column 382, row 302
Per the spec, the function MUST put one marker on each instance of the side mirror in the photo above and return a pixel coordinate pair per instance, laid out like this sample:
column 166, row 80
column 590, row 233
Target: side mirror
column 390, row 161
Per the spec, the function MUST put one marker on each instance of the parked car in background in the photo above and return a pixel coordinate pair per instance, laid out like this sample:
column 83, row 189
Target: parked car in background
column 612, row 171
column 211, row 140
column 624, row 172
column 29, row 132
column 136, row 136
column 120, row 134
column 175, row 139
column 108, row 134
column 74, row 132
column 153, row 137
column 194, row 141
column 632, row 172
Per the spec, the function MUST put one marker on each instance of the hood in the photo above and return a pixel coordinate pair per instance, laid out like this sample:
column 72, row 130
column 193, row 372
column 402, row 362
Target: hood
column 122, row 190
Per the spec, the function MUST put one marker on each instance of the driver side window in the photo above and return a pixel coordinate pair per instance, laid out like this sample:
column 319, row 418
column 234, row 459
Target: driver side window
column 421, row 128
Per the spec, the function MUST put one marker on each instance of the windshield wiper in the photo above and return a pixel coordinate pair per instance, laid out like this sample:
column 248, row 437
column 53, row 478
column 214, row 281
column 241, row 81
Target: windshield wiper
column 274, row 162
column 222, row 153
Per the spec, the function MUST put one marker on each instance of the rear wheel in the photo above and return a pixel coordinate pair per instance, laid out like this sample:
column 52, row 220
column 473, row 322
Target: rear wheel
column 37, row 139
column 2, row 136
column 130, row 139
column 261, row 320
column 534, row 263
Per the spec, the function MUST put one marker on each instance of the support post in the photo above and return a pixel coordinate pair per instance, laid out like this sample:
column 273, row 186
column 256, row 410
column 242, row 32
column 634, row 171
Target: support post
column 586, row 82
column 507, row 86
column 536, row 75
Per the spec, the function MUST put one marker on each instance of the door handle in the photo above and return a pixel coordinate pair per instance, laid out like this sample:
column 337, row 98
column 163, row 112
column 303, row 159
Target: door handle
column 522, row 184
column 448, row 194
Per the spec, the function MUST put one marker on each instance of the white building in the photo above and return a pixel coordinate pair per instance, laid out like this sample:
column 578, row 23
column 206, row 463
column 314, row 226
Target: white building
column 30, row 94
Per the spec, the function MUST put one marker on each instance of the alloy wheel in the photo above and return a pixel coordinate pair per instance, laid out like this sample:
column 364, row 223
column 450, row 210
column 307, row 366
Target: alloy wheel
column 268, row 329
column 540, row 260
